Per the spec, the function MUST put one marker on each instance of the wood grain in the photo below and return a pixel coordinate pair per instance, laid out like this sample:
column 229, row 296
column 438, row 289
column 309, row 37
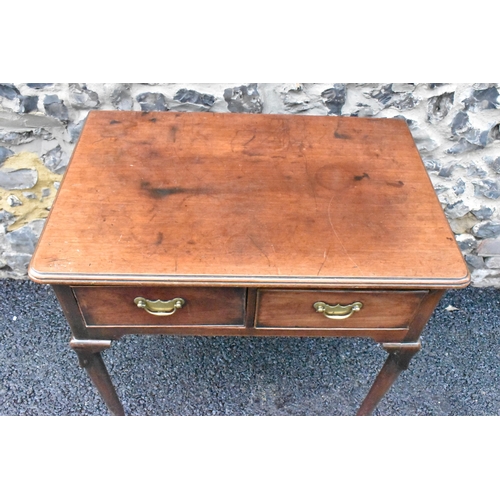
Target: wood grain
column 294, row 309
column 204, row 306
column 229, row 199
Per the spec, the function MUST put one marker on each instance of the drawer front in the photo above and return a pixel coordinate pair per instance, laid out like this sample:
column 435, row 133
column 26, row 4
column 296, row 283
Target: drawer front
column 118, row 306
column 359, row 309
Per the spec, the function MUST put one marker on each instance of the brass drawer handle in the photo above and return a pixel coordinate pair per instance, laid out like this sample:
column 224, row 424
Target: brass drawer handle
column 159, row 307
column 337, row 311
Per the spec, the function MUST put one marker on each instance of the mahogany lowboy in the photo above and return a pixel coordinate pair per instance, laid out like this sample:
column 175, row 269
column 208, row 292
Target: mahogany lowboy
column 233, row 224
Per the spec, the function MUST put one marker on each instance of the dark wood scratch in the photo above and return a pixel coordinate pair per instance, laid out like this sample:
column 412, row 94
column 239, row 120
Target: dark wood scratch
column 260, row 250
column 361, row 177
column 397, row 184
column 249, row 141
column 311, row 184
column 324, row 260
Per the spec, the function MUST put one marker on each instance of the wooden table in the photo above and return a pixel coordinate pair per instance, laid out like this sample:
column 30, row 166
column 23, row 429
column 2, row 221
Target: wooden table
column 239, row 224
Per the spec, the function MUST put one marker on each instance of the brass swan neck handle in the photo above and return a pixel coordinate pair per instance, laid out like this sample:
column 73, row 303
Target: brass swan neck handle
column 337, row 311
column 159, row 307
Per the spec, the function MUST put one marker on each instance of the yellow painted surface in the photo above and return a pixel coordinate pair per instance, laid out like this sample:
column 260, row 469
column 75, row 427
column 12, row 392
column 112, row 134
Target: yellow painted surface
column 31, row 209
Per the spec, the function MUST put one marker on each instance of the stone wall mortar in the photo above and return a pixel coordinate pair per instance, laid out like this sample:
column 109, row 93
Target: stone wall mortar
column 456, row 127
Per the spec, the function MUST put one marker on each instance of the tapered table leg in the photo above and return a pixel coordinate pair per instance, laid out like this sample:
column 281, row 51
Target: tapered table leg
column 89, row 355
column 398, row 360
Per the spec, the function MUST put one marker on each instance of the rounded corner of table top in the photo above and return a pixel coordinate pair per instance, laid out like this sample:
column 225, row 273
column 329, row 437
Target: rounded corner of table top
column 463, row 282
column 35, row 276
column 39, row 277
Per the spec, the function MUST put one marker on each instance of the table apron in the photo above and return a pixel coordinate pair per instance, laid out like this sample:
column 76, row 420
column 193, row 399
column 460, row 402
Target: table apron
column 116, row 332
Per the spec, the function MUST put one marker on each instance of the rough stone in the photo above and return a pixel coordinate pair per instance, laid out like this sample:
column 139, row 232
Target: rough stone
column 296, row 99
column 457, row 209
column 493, row 163
column 56, row 160
column 489, row 248
column 492, row 262
column 16, row 138
column 24, row 239
column 483, row 99
column 6, row 216
column 8, row 91
column 27, row 121
column 4, row 154
column 243, row 99
column 422, row 139
column 486, row 229
column 485, row 277
column 74, row 131
column 483, row 213
column 411, row 123
column 14, row 201
column 479, row 137
column 443, row 193
column 463, row 224
column 439, row 106
column 463, row 146
column 403, row 87
column 461, row 127
column 29, row 103
column 474, row 171
column 388, row 98
column 459, row 187
column 152, row 101
column 460, row 123
column 474, row 261
column 80, row 97
column 38, row 86
column 20, row 245
column 439, row 188
column 383, row 95
column 194, row 97
column 334, row 98
column 481, row 86
column 447, row 170
column 121, row 98
column 18, row 179
column 17, row 262
column 432, row 165
column 466, row 242
column 364, row 110
column 29, row 195
column 44, row 134
column 406, row 102
column 55, row 107
column 493, row 133
column 487, row 188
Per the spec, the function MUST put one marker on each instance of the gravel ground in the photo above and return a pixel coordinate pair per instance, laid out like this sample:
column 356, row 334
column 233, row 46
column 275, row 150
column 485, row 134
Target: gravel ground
column 456, row 373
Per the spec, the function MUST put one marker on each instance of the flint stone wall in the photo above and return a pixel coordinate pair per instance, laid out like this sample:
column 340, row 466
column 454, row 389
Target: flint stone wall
column 456, row 128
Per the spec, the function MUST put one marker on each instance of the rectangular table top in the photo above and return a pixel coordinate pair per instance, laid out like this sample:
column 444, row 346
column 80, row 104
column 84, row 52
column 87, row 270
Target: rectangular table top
column 318, row 201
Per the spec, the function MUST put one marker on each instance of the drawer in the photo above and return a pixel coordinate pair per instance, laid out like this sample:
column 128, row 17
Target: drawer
column 359, row 309
column 118, row 306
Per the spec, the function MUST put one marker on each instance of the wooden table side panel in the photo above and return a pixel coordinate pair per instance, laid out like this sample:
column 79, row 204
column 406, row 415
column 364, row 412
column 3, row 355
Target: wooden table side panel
column 116, row 332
